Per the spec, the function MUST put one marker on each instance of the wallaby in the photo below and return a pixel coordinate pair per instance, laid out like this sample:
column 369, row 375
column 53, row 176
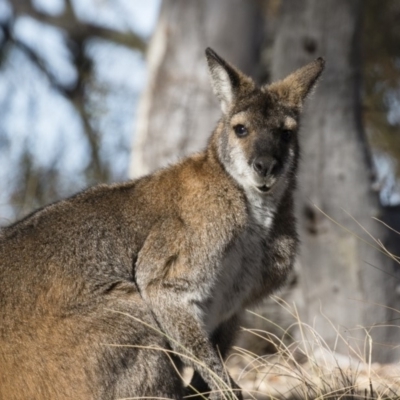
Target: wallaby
column 108, row 294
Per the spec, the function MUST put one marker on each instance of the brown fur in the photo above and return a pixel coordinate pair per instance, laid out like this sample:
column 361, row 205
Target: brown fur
column 100, row 291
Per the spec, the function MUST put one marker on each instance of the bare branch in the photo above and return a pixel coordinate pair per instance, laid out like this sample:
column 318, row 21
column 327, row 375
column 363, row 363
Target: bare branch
column 75, row 94
column 79, row 30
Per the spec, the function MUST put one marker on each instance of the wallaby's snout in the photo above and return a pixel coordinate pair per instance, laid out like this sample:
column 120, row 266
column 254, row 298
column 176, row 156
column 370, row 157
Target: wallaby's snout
column 270, row 156
column 264, row 166
column 265, row 170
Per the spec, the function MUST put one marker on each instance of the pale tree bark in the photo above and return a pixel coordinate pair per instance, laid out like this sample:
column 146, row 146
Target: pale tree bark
column 339, row 275
column 178, row 111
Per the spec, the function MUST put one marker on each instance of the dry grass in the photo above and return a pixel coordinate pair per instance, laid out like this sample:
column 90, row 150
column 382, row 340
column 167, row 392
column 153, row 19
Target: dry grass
column 308, row 369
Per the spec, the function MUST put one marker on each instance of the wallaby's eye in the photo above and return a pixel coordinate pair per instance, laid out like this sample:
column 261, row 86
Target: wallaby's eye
column 240, row 130
column 286, row 135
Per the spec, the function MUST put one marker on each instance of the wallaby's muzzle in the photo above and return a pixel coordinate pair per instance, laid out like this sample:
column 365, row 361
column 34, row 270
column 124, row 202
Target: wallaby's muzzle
column 264, row 166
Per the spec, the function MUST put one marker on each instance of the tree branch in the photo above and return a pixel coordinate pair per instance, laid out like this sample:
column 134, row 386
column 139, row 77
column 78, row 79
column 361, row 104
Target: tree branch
column 77, row 29
column 76, row 95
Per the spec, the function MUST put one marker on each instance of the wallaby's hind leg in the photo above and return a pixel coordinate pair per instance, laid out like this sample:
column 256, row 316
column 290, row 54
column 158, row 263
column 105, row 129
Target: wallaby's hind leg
column 138, row 355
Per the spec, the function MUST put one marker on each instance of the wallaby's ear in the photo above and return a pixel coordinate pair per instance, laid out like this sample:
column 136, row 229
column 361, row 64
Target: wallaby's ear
column 225, row 79
column 295, row 87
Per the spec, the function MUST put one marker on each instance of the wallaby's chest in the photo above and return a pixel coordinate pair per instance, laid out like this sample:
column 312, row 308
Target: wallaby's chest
column 243, row 268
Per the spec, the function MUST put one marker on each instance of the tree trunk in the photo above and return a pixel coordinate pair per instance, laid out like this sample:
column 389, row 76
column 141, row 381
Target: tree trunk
column 342, row 280
column 178, row 111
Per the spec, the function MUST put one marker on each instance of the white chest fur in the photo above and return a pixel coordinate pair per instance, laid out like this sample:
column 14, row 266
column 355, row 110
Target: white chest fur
column 262, row 209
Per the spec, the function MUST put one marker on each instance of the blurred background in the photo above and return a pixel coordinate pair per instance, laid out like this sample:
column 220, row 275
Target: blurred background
column 70, row 76
column 72, row 73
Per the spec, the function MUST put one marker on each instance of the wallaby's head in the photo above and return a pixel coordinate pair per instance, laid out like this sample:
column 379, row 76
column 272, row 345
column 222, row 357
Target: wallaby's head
column 257, row 136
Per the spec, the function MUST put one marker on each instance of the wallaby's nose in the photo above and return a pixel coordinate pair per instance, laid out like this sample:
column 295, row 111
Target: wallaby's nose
column 263, row 165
